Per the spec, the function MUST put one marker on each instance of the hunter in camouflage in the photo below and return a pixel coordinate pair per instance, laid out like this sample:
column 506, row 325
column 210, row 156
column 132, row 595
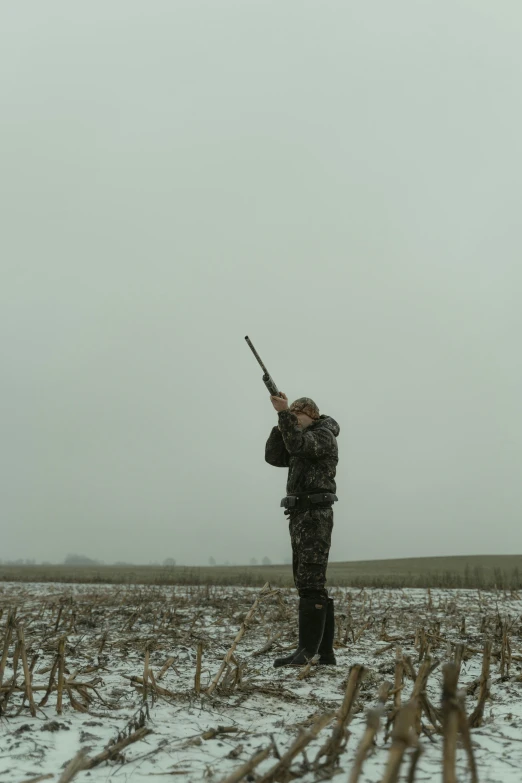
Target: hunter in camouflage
column 306, row 443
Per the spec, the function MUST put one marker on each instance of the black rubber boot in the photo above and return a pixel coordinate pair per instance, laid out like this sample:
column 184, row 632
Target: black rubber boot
column 312, row 617
column 287, row 660
column 326, row 647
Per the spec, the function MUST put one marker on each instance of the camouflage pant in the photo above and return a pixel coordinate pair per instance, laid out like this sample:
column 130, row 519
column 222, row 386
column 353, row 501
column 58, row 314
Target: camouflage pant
column 310, row 534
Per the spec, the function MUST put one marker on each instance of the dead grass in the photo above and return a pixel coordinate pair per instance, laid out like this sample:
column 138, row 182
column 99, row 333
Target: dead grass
column 477, row 571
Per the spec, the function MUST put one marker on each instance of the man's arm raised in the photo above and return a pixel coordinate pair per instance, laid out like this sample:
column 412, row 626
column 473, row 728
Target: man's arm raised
column 313, row 444
column 276, row 453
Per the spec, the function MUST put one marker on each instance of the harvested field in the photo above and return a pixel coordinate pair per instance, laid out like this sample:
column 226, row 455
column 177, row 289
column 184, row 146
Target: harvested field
column 480, row 571
column 136, row 682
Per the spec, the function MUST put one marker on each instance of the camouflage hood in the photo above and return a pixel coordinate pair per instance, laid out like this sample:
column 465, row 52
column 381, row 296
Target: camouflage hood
column 328, row 422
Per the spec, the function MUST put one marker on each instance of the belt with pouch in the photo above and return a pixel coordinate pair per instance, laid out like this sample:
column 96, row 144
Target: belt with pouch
column 304, row 500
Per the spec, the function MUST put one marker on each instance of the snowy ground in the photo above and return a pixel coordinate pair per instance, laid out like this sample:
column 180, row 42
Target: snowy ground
column 108, row 629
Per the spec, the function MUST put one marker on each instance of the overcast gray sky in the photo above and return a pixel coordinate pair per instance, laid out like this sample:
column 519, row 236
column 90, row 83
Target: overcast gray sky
column 339, row 180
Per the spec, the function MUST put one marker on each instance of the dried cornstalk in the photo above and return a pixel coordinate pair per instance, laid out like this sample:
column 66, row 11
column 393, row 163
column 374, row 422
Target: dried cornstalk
column 373, row 720
column 244, row 624
column 475, row 719
column 408, row 668
column 466, row 736
column 337, row 742
column 168, row 663
column 115, row 749
column 211, row 733
column 415, row 756
column 60, row 610
column 72, row 622
column 233, row 676
column 384, row 649
column 418, row 691
column 270, row 643
column 509, row 654
column 450, row 713
column 304, row 738
column 305, row 670
column 159, row 690
column 362, row 630
column 146, row 673
column 423, row 644
column 248, row 766
column 102, row 643
column 469, row 651
column 51, row 682
column 7, row 641
column 61, row 670
column 402, row 738
column 505, row 652
column 152, row 681
column 459, row 655
column 197, row 676
column 433, row 713
column 77, row 764
column 132, row 620
column 12, row 684
column 399, row 676
column 27, row 674
column 385, row 690
column 75, row 704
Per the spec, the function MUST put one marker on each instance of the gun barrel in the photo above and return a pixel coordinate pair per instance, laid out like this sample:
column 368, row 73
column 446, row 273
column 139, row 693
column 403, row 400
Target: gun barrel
column 256, row 355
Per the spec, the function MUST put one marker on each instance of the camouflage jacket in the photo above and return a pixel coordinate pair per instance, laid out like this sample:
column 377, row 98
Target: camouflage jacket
column 310, row 454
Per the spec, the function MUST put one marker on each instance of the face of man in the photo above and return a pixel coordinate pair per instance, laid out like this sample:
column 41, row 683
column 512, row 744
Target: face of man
column 303, row 420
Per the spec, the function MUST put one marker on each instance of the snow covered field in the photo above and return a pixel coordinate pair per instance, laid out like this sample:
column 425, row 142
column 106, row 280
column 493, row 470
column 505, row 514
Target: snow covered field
column 111, row 631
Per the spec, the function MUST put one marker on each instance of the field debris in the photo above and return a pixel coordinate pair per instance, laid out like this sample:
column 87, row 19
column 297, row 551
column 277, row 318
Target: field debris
column 141, row 681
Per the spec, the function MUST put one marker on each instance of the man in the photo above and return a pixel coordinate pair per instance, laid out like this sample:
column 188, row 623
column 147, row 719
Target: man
column 306, row 443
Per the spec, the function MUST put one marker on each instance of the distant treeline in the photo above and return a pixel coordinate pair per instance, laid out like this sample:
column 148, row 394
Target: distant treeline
column 80, row 560
column 84, row 560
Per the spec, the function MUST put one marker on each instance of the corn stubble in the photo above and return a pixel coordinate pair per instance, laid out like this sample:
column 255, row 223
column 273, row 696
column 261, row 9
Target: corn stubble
column 108, row 624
